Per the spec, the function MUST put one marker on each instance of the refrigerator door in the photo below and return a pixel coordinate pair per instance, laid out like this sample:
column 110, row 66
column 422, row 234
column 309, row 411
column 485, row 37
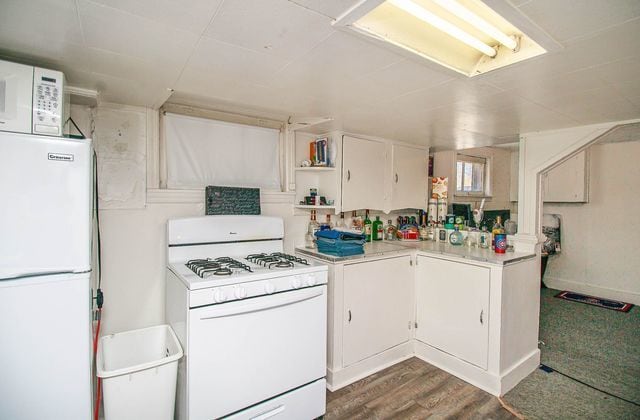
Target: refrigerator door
column 46, row 212
column 45, row 356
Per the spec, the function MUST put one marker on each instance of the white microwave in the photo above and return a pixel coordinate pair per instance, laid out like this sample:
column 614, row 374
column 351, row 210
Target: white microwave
column 32, row 100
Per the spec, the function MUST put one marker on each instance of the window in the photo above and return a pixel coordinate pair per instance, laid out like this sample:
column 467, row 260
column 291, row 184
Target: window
column 471, row 175
column 202, row 151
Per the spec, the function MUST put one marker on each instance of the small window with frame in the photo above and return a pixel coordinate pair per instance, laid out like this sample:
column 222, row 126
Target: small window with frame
column 471, row 175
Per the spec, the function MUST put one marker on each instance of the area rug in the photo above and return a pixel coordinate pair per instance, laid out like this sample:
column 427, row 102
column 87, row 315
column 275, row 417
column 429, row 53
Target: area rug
column 595, row 301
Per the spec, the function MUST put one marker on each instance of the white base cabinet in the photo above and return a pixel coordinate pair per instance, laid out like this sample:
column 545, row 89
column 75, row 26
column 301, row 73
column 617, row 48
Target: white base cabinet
column 475, row 320
column 478, row 321
column 378, row 309
column 370, row 316
column 453, row 308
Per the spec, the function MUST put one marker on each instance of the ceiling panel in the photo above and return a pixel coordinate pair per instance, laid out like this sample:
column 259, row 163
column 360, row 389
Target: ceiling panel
column 568, row 19
column 223, row 60
column 338, row 58
column 123, row 33
column 331, row 8
column 188, row 15
column 34, row 26
column 276, row 27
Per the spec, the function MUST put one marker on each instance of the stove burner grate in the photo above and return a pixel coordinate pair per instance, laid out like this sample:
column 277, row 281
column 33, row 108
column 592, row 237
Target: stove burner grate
column 222, row 266
column 275, row 260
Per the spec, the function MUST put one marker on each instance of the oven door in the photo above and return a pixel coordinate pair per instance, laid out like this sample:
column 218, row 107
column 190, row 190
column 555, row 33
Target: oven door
column 244, row 352
column 16, row 82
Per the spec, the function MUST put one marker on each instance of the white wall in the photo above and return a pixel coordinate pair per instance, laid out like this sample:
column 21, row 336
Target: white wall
column 599, row 253
column 444, row 164
column 133, row 231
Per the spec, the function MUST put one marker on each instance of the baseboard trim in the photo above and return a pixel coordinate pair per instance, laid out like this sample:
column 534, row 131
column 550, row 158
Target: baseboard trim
column 492, row 383
column 467, row 372
column 337, row 379
column 519, row 371
column 593, row 290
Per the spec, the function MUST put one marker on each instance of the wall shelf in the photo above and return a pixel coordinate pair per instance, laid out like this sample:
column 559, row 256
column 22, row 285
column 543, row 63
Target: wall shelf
column 315, row 168
column 308, row 207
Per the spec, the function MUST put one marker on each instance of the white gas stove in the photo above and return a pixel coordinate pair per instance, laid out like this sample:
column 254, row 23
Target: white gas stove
column 251, row 320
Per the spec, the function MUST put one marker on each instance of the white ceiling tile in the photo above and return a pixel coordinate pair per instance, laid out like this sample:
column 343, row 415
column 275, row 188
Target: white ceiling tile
column 34, row 26
column 563, row 21
column 331, row 8
column 337, row 59
column 276, row 27
column 223, row 60
column 188, row 15
column 457, row 90
column 620, row 71
column 400, row 78
column 123, row 33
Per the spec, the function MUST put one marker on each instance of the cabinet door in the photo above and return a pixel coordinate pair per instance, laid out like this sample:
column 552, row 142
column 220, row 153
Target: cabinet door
column 363, row 168
column 378, row 298
column 453, row 308
column 409, row 184
column 567, row 183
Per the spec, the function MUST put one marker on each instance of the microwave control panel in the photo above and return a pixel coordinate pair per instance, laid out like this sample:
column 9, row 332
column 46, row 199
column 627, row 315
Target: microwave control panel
column 48, row 93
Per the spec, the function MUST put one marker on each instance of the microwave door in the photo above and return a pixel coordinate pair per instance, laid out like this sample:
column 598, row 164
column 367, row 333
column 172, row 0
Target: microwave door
column 16, row 82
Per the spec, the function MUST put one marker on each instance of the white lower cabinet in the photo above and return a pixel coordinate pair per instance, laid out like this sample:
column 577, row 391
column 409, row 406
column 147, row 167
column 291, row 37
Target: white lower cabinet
column 452, row 309
column 378, row 307
column 475, row 320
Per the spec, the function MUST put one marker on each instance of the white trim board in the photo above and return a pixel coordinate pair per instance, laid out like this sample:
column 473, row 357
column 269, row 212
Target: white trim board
column 592, row 290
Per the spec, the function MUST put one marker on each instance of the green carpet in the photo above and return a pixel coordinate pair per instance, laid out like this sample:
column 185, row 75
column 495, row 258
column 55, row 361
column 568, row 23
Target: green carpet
column 595, row 345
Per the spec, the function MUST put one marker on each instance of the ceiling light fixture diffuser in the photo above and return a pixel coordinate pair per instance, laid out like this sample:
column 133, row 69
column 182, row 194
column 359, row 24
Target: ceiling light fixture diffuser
column 466, row 36
column 447, row 27
column 476, row 21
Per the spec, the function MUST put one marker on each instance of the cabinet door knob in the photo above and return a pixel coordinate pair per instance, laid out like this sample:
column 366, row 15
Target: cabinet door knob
column 348, row 175
column 481, row 317
column 396, row 178
column 349, row 315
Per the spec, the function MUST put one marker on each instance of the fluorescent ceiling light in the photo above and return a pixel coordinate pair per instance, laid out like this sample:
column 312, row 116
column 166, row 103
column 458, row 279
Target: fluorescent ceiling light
column 430, row 18
column 468, row 16
column 466, row 36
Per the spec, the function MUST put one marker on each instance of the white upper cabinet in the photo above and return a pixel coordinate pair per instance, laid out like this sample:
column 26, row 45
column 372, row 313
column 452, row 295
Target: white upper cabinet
column 568, row 182
column 409, row 177
column 363, row 174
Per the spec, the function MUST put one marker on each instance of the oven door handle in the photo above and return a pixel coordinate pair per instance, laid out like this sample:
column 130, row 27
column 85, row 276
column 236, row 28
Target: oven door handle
column 262, row 304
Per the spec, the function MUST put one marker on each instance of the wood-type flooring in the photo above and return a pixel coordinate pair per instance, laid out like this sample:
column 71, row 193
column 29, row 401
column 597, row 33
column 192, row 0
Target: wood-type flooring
column 413, row 389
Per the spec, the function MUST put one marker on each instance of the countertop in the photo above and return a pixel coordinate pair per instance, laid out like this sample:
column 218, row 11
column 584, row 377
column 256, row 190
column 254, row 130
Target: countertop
column 371, row 249
column 377, row 249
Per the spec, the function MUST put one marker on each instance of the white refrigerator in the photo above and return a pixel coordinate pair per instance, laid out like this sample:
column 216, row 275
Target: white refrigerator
column 45, row 266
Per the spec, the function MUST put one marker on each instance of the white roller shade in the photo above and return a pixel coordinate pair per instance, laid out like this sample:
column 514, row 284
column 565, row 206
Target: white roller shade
column 204, row 152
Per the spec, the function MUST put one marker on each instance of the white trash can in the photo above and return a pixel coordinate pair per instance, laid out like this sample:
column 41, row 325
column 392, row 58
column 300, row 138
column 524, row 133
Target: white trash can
column 139, row 370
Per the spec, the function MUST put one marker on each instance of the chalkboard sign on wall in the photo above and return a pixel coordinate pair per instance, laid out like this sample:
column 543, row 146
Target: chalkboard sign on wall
column 232, row 200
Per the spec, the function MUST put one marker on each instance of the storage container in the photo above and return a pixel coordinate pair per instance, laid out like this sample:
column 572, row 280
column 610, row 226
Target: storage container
column 138, row 370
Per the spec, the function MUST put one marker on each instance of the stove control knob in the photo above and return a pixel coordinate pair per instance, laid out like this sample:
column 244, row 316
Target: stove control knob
column 311, row 279
column 269, row 288
column 241, row 292
column 219, row 296
column 296, row 282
